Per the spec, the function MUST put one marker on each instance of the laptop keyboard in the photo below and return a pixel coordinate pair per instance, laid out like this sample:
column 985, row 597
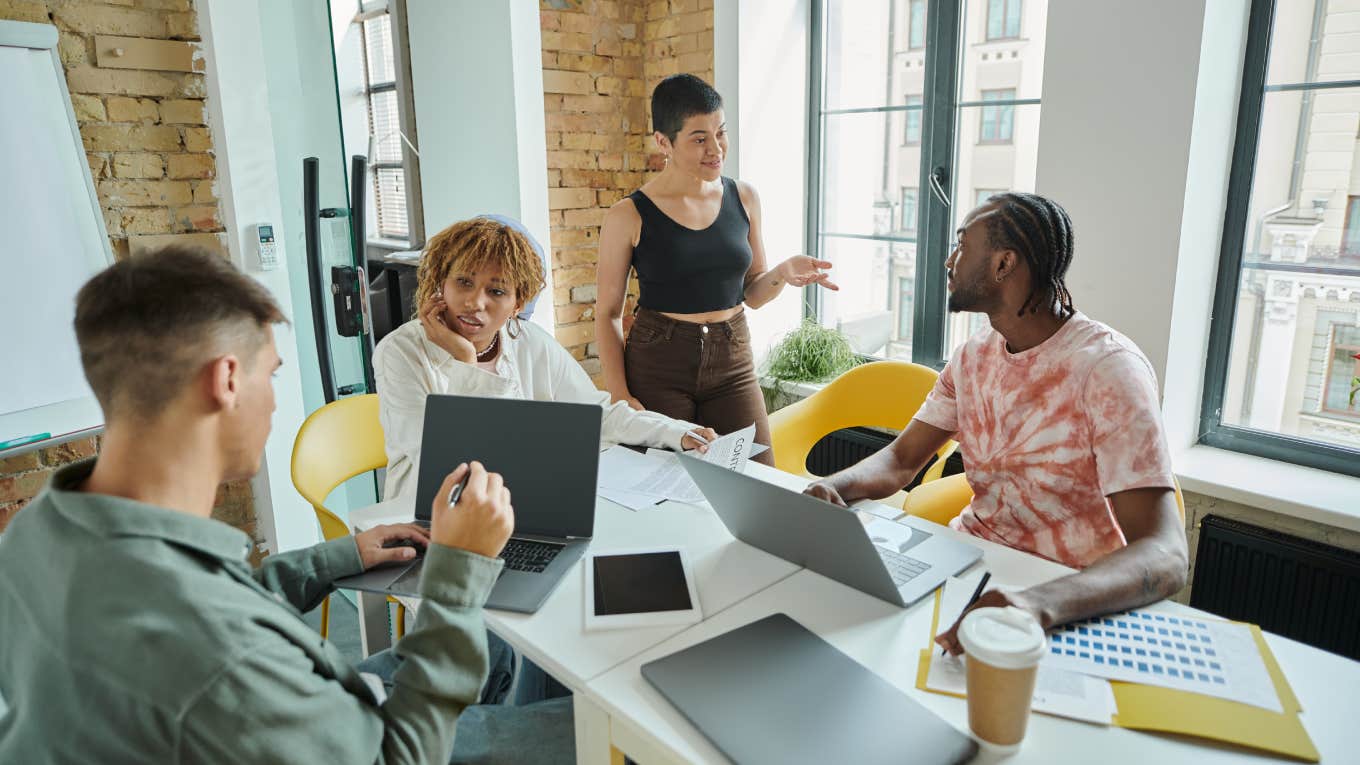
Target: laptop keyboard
column 524, row 555
column 902, row 568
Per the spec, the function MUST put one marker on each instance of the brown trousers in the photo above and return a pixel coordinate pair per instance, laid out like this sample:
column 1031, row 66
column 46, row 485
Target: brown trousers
column 703, row 373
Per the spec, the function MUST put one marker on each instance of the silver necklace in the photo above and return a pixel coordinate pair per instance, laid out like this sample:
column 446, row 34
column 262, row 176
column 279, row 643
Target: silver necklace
column 490, row 351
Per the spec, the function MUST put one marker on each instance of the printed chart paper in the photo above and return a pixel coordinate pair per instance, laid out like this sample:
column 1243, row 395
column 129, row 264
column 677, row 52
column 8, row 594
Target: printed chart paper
column 1186, row 653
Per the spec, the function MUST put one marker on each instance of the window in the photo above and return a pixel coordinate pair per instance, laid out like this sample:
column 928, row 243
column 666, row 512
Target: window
column 911, row 136
column 384, row 126
column 1003, row 19
column 1343, row 370
column 906, row 290
column 1350, row 236
column 983, row 195
column 916, row 21
column 882, row 209
column 908, row 209
column 1287, row 304
column 998, row 119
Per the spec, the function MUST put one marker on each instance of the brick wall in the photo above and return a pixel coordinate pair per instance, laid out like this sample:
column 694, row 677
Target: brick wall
column 601, row 59
column 151, row 156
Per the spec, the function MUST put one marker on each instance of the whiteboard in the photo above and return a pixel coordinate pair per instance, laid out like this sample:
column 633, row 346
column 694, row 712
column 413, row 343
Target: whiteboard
column 52, row 240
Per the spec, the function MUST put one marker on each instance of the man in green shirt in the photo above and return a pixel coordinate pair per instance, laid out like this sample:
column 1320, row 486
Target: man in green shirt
column 136, row 631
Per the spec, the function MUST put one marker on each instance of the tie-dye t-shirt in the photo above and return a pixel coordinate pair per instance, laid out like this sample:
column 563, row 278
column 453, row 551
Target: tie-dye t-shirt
column 1048, row 433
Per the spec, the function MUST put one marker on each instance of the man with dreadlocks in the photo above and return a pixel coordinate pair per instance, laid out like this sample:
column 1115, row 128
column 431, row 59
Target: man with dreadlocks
column 1058, row 423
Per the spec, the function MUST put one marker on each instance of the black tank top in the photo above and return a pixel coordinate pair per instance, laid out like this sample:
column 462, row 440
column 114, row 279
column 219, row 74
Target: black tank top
column 681, row 270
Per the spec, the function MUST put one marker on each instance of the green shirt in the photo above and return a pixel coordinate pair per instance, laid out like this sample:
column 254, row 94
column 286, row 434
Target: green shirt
column 132, row 633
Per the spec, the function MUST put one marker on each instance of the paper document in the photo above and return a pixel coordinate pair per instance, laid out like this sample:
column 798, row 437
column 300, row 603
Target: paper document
column 659, row 473
column 633, row 500
column 1056, row 691
column 1183, row 652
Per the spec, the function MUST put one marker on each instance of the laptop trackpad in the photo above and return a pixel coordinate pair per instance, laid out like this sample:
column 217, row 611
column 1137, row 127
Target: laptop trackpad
column 893, row 536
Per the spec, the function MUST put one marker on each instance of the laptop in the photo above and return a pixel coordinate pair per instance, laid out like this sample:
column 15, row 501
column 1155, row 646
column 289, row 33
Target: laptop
column 549, row 454
column 774, row 692
column 901, row 562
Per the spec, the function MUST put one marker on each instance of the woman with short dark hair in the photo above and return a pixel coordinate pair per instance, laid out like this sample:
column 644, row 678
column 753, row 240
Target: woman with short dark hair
column 694, row 237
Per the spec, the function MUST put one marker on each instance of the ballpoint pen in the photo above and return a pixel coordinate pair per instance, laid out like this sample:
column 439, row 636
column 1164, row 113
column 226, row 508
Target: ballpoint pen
column 976, row 594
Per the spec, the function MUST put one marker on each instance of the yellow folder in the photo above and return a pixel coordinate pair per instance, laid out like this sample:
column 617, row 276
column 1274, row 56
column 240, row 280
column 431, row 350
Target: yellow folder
column 1153, row 708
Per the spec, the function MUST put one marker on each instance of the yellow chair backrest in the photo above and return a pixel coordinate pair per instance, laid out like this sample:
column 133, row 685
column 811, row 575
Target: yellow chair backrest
column 337, row 442
column 880, row 394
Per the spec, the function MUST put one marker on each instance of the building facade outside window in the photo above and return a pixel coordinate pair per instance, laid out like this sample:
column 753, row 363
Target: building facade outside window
column 1280, row 365
column 897, row 159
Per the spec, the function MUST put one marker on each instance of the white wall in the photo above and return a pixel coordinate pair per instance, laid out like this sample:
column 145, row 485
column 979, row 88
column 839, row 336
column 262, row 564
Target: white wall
column 477, row 77
column 248, row 187
column 1201, row 235
column 1118, row 108
column 761, row 68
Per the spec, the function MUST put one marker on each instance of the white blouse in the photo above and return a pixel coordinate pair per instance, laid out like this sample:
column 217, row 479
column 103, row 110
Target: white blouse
column 407, row 367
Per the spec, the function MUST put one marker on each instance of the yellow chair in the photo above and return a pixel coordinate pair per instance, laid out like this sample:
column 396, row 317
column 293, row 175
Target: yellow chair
column 880, row 394
column 941, row 501
column 337, row 442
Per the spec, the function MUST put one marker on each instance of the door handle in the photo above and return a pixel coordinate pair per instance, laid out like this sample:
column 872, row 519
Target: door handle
column 938, row 177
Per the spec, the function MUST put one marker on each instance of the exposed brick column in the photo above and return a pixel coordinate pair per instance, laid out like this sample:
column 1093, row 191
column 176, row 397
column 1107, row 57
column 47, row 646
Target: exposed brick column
column 597, row 61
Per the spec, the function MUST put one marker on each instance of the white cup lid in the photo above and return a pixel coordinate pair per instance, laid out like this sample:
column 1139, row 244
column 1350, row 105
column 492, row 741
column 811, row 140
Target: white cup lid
column 1007, row 638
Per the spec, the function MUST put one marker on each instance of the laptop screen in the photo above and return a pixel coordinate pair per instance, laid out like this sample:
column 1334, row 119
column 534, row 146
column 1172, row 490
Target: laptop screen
column 548, row 452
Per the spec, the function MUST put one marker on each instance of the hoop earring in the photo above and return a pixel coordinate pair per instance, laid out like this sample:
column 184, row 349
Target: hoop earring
column 514, row 329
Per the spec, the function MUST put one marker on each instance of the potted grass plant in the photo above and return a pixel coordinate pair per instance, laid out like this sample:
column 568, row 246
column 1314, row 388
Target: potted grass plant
column 809, row 354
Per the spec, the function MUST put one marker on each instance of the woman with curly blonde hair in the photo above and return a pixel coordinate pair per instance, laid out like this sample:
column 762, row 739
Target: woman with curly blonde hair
column 468, row 338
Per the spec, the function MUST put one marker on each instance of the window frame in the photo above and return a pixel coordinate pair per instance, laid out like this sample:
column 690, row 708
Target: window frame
column 1213, row 431
column 409, row 164
column 1005, row 17
column 939, row 124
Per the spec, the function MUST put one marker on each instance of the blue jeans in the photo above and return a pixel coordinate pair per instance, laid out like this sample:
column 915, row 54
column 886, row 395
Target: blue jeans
column 538, row 727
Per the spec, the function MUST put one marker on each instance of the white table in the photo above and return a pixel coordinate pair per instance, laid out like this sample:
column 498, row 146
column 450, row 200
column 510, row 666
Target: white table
column 616, row 708
column 726, row 573
column 888, row 640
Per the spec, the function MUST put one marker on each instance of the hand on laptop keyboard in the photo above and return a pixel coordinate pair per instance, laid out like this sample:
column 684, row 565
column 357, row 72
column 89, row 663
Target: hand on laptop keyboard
column 390, row 543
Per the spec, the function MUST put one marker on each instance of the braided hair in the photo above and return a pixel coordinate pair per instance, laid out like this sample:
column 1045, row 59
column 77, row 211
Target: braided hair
column 1039, row 230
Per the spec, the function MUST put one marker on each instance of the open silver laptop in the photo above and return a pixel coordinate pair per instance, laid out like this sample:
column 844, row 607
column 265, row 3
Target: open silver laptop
column 840, row 544
column 549, row 455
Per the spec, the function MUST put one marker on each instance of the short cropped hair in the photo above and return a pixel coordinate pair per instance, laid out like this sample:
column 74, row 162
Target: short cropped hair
column 679, row 97
column 148, row 324
column 468, row 246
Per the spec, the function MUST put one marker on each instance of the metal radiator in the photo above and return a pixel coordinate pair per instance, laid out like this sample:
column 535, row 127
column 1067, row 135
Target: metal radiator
column 1303, row 590
column 842, row 448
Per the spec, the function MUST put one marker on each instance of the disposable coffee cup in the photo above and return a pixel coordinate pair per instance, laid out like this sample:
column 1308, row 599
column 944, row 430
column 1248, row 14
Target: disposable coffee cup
column 1003, row 647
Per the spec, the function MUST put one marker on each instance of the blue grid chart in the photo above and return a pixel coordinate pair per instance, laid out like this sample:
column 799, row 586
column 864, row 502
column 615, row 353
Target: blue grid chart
column 1182, row 652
